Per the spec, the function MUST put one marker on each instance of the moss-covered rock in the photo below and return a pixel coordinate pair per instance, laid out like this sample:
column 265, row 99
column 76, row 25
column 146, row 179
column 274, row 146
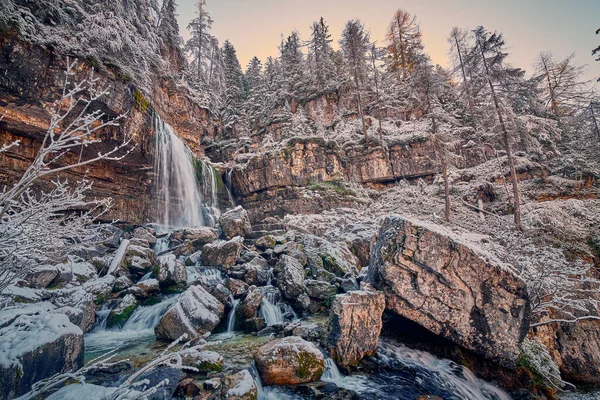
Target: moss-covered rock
column 121, row 313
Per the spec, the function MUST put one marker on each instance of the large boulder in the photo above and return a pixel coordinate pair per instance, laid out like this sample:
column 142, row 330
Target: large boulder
column 144, row 234
column 437, row 279
column 334, row 257
column 289, row 276
column 195, row 313
column 170, row 271
column 289, row 361
column 41, row 276
column 354, row 326
column 119, row 315
column 235, row 222
column 248, row 308
column 222, row 253
column 36, row 343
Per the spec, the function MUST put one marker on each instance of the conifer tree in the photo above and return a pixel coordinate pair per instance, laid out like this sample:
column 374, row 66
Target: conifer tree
column 321, row 53
column 200, row 43
column 355, row 44
column 404, row 42
column 234, row 87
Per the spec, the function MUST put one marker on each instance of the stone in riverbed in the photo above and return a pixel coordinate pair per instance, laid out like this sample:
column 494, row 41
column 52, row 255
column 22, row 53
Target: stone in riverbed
column 234, row 223
column 266, row 242
column 247, row 309
column 289, row 361
column 36, row 343
column 239, row 386
column 143, row 233
column 120, row 314
column 196, row 312
column 40, row 277
column 320, row 290
column 289, row 275
column 203, row 360
column 222, row 253
column 170, row 271
column 435, row 278
column 236, row 287
column 256, row 272
column 354, row 326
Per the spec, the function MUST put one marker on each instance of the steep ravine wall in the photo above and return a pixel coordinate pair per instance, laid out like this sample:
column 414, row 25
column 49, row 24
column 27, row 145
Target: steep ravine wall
column 31, row 79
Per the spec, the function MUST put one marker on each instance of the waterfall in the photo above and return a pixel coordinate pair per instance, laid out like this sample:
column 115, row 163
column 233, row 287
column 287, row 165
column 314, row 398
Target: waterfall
column 177, row 190
column 231, row 319
column 269, row 310
column 331, row 373
column 139, row 327
column 210, row 209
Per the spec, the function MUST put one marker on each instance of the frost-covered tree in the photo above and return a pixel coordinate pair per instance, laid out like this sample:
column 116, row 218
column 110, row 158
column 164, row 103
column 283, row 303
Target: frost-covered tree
column 459, row 43
column 565, row 92
column 200, row 43
column 321, row 52
column 355, row 46
column 404, row 42
column 500, row 78
column 292, row 62
column 231, row 111
column 597, row 49
column 40, row 226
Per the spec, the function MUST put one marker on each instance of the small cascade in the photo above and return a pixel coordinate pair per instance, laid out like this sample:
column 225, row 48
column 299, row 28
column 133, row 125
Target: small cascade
column 270, row 310
column 331, row 373
column 229, row 184
column 207, row 175
column 177, row 190
column 138, row 328
column 231, row 318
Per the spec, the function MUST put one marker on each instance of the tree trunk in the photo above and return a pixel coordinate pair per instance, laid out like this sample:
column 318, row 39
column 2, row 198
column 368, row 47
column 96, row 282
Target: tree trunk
column 377, row 98
column 511, row 161
column 360, row 110
column 553, row 103
column 467, row 89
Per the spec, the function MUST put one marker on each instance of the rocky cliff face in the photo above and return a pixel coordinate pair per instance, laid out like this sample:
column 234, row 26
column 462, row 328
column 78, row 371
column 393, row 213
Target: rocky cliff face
column 450, row 289
column 31, row 79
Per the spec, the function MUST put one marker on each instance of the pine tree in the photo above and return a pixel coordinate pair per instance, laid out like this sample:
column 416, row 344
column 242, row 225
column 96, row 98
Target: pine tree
column 200, row 43
column 404, row 42
column 169, row 28
column 458, row 44
column 355, row 44
column 321, row 53
column 292, row 61
column 234, row 87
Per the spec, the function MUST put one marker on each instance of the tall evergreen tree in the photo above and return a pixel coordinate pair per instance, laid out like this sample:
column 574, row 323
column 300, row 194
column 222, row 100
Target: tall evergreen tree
column 321, row 53
column 292, row 61
column 404, row 42
column 355, row 45
column 234, row 87
column 200, row 43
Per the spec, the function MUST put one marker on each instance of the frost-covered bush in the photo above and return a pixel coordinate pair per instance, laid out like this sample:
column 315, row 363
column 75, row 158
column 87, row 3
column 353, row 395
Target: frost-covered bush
column 536, row 359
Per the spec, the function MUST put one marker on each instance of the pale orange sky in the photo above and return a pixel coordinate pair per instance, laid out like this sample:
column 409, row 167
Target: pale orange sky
column 529, row 26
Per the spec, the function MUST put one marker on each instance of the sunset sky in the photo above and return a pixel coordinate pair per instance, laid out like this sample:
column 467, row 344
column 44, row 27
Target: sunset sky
column 529, row 26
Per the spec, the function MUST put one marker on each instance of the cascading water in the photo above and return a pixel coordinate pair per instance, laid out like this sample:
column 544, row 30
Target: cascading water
column 331, row 373
column 269, row 310
column 182, row 200
column 231, row 319
column 139, row 328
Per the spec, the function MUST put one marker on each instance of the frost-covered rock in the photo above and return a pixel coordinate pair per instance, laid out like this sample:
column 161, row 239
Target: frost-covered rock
column 432, row 277
column 319, row 290
column 354, row 326
column 149, row 286
column 236, row 287
column 41, row 276
column 100, row 288
column 335, row 257
column 36, row 343
column 122, row 283
column 289, row 276
column 234, row 223
column 142, row 233
column 239, row 386
column 247, row 309
column 203, row 360
column 170, row 271
column 289, row 361
column 222, row 253
column 256, row 272
column 200, row 236
column 195, row 313
column 120, row 314
column 77, row 304
column 266, row 242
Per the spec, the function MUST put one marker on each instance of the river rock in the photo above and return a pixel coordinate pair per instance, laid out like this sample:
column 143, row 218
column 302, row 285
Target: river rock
column 142, row 233
column 290, row 277
column 249, row 306
column 200, row 236
column 222, row 253
column 239, row 386
column 335, row 257
column 195, row 313
column 436, row 279
column 236, row 287
column 122, row 283
column 120, row 314
column 40, row 277
column 36, row 343
column 170, row 271
column 289, row 361
column 319, row 290
column 266, row 242
column 203, row 360
column 235, row 222
column 149, row 287
column 78, row 305
column 256, row 272
column 354, row 326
